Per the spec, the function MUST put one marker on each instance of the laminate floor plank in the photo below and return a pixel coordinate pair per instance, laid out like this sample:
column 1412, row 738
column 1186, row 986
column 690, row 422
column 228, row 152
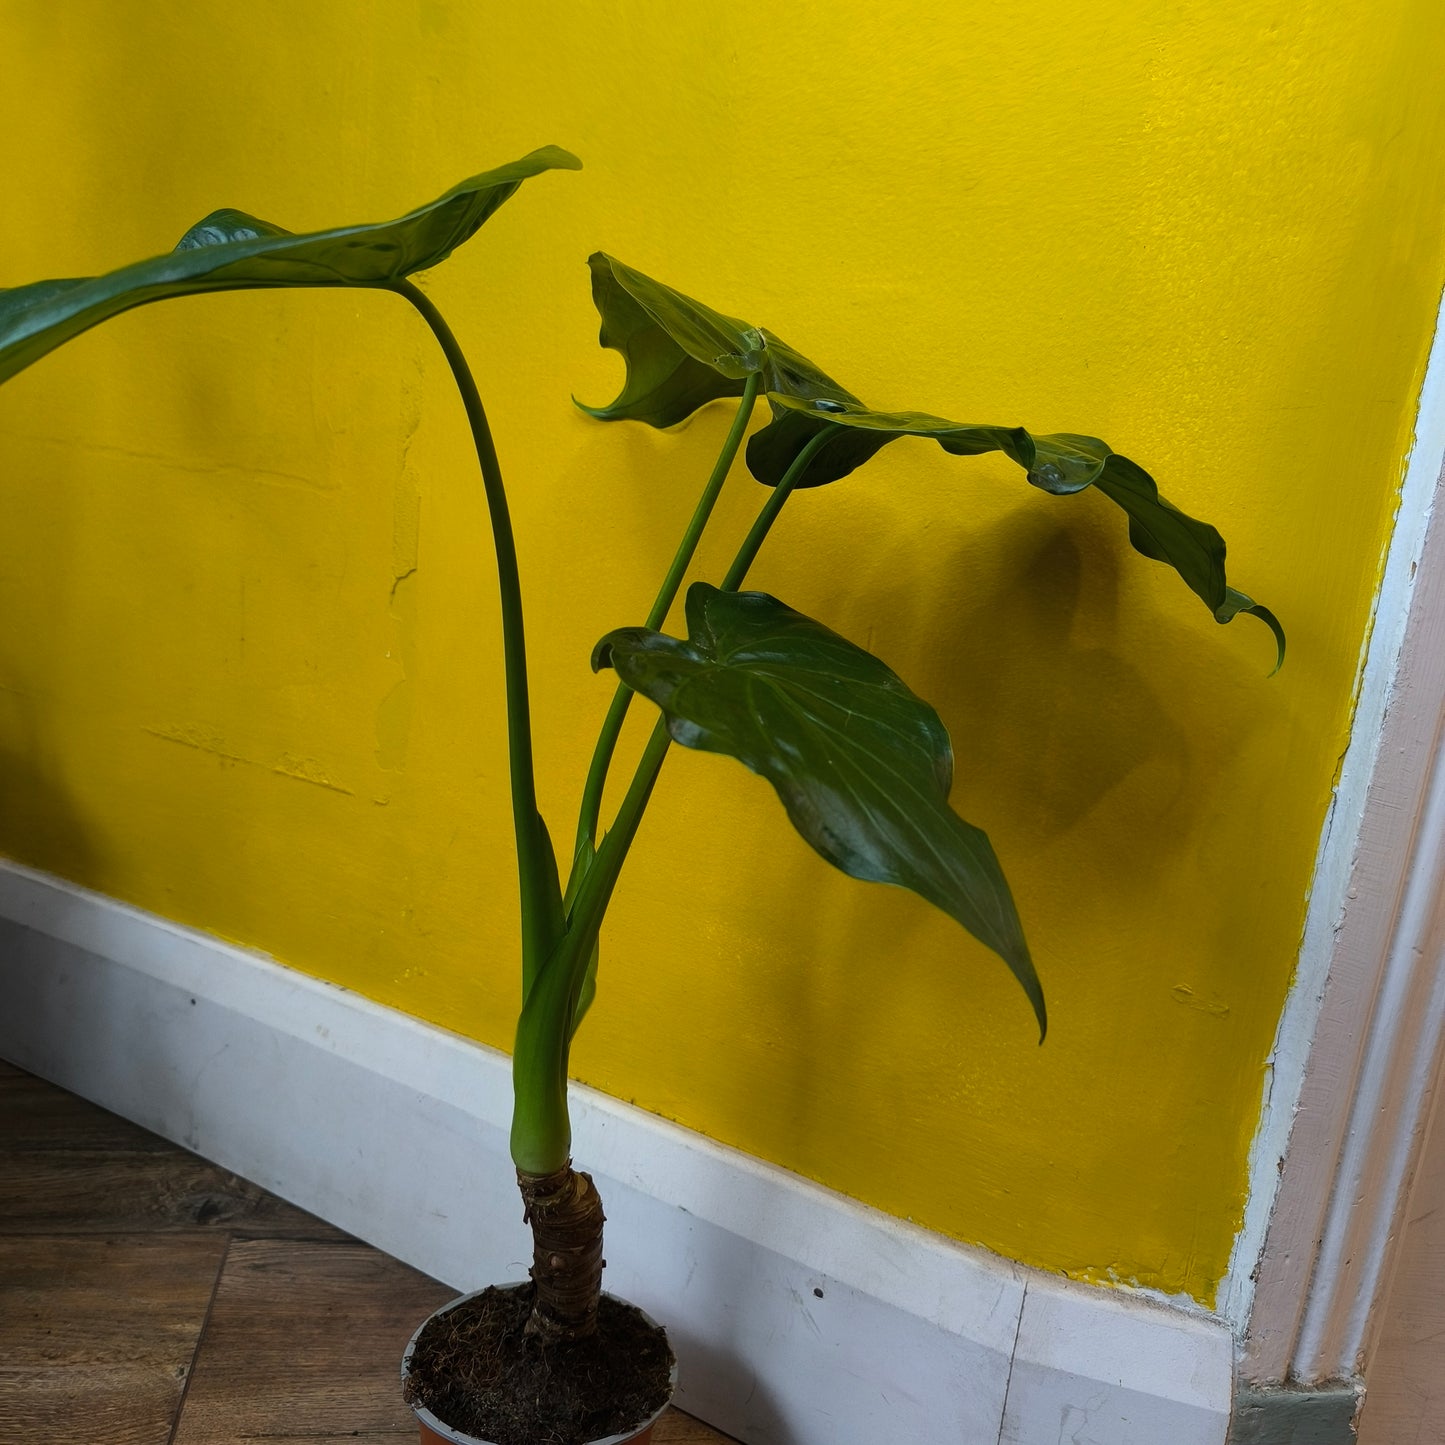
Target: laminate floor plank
column 675, row 1428
column 97, row 1335
column 57, row 1191
column 73, row 1167
column 36, row 1115
column 304, row 1343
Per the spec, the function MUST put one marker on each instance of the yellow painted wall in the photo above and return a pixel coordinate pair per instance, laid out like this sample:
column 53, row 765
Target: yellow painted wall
column 248, row 667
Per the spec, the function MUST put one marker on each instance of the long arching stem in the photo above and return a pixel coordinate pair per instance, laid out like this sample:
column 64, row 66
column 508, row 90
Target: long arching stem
column 536, row 868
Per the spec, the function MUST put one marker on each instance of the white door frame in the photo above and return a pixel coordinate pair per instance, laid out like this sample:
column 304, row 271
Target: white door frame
column 1360, row 1041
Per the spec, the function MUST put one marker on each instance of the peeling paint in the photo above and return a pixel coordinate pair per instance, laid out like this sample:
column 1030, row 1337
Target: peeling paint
column 202, row 739
column 307, row 770
column 1186, row 995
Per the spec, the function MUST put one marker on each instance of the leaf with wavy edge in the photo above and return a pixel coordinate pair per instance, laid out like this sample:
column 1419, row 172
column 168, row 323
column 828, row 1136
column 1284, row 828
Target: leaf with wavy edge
column 1065, row 463
column 681, row 354
column 231, row 251
column 862, row 765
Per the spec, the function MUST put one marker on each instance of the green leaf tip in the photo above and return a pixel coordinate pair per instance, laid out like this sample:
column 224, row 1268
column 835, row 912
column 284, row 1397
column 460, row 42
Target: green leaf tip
column 1236, row 602
column 861, row 764
column 232, row 251
column 1273, row 623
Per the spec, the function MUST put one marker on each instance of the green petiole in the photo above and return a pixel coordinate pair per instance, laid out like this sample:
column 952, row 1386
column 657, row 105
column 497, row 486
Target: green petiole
column 667, row 593
column 769, row 513
column 541, row 901
column 592, row 897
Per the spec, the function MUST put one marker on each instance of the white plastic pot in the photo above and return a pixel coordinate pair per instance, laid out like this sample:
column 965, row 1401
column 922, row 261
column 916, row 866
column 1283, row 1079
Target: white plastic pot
column 435, row 1432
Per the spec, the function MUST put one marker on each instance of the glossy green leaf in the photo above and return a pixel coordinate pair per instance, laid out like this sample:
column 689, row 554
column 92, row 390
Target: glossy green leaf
column 862, row 765
column 665, row 384
column 681, row 354
column 1063, row 464
column 231, row 251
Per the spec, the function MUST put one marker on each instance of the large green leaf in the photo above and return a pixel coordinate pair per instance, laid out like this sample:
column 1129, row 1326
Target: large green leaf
column 1063, row 464
column 231, row 251
column 681, row 354
column 861, row 764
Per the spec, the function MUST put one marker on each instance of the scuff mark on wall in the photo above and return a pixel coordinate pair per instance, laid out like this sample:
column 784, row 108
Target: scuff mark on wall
column 171, row 462
column 1186, row 995
column 206, row 740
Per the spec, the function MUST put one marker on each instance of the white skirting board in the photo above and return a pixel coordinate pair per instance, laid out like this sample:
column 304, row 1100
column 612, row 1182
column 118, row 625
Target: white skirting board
column 799, row 1316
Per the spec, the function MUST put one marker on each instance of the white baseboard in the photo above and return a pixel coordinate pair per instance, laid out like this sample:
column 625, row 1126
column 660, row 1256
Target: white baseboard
column 799, row 1317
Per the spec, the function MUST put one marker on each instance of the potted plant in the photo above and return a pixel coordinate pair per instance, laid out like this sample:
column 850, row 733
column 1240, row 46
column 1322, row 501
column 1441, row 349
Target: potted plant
column 862, row 765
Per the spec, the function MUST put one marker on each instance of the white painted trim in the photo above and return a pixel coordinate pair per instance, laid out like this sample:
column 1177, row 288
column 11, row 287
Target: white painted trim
column 1349, row 1073
column 799, row 1316
column 1387, row 1117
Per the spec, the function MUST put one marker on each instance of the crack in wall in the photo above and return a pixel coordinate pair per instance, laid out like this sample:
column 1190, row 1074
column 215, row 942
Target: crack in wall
column 393, row 713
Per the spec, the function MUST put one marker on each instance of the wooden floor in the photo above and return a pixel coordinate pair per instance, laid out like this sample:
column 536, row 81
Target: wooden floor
column 149, row 1298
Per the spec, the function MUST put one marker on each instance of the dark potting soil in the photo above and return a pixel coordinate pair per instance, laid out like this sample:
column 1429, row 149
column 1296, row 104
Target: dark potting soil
column 476, row 1370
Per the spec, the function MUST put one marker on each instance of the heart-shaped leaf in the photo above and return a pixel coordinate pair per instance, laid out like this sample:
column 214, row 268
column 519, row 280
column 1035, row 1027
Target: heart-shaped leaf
column 862, row 765
column 231, row 251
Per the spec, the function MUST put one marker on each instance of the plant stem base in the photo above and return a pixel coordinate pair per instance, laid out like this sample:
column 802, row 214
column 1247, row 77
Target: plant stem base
column 564, row 1211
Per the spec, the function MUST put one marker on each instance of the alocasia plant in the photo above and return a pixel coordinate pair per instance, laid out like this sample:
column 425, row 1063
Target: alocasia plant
column 863, row 766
